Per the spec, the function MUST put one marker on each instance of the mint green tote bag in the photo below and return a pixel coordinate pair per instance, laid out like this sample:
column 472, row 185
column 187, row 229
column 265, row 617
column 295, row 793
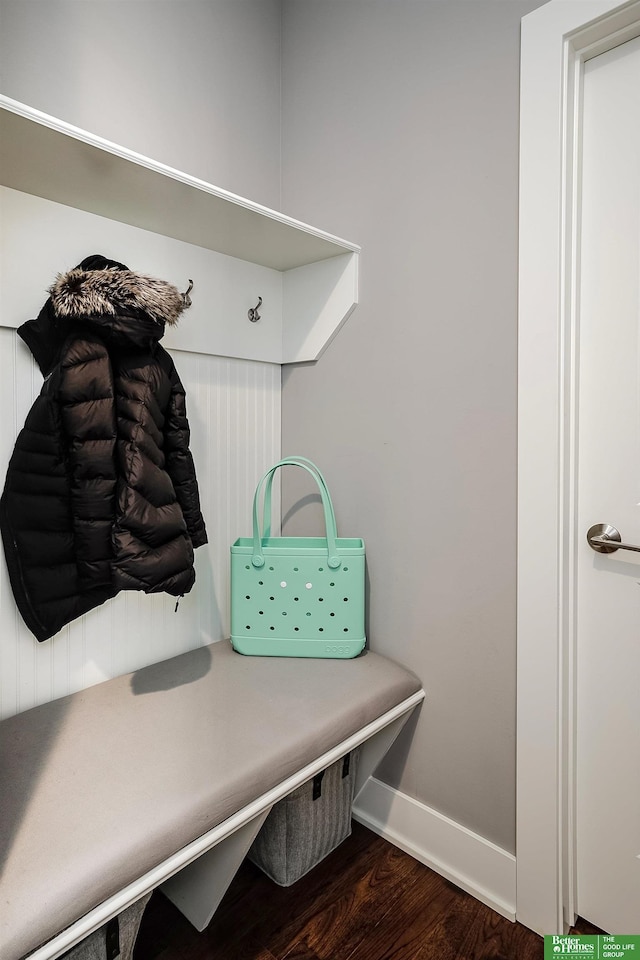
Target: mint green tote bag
column 297, row 596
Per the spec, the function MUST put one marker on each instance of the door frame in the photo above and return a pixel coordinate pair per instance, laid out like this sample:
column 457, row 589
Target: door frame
column 557, row 39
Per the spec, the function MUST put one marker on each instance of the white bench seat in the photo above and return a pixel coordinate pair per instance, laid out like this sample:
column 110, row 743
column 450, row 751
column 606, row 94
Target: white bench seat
column 108, row 792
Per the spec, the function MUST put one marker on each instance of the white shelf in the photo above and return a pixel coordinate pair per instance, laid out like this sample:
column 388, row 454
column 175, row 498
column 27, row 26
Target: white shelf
column 47, row 158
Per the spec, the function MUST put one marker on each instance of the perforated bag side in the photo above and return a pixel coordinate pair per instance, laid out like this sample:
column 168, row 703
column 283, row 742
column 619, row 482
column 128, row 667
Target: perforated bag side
column 297, row 596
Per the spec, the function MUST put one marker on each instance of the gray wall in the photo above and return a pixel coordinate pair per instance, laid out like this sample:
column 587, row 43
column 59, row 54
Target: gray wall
column 400, row 132
column 192, row 83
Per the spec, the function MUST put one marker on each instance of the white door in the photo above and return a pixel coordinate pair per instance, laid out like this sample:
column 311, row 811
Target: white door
column 608, row 491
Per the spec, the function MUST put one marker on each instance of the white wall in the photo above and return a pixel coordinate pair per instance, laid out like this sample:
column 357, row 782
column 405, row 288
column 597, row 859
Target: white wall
column 195, row 85
column 400, row 129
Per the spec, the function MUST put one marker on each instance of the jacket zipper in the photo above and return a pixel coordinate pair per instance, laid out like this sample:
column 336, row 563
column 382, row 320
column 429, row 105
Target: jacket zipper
column 18, row 566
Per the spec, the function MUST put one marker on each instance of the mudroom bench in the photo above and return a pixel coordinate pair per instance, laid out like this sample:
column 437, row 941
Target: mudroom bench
column 164, row 777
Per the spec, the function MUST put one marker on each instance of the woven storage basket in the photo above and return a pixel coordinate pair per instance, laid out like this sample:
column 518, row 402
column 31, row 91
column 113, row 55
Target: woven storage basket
column 306, row 826
column 297, row 596
column 117, row 938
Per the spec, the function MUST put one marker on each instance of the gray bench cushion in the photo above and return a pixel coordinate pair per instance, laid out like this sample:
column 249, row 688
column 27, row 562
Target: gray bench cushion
column 99, row 787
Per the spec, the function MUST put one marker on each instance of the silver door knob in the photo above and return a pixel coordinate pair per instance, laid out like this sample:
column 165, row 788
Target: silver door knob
column 603, row 538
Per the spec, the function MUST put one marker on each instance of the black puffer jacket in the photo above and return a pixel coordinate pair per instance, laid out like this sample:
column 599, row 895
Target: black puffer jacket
column 101, row 493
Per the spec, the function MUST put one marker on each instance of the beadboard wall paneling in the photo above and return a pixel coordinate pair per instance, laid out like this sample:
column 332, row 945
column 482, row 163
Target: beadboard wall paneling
column 234, row 414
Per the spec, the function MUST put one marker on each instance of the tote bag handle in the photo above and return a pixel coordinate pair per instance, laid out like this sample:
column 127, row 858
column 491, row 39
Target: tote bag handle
column 333, row 560
column 292, row 460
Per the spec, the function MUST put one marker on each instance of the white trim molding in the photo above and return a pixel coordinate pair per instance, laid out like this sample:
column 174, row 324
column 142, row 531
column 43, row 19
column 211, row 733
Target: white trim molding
column 476, row 865
column 557, row 39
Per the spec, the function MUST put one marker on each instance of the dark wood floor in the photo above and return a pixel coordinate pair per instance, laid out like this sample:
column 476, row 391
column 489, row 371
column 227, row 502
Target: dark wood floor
column 366, row 901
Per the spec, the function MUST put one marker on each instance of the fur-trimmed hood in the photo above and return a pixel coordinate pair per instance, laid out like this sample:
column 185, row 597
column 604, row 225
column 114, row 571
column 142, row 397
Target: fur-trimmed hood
column 123, row 307
column 110, row 291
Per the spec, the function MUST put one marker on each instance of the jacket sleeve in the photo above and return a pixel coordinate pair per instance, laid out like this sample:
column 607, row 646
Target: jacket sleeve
column 179, row 462
column 87, row 409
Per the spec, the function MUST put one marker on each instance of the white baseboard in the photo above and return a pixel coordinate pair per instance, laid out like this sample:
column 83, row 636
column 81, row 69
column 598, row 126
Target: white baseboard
column 481, row 868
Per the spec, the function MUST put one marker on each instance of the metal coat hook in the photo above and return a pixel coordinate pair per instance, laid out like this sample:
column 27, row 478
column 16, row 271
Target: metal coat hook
column 186, row 299
column 253, row 314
